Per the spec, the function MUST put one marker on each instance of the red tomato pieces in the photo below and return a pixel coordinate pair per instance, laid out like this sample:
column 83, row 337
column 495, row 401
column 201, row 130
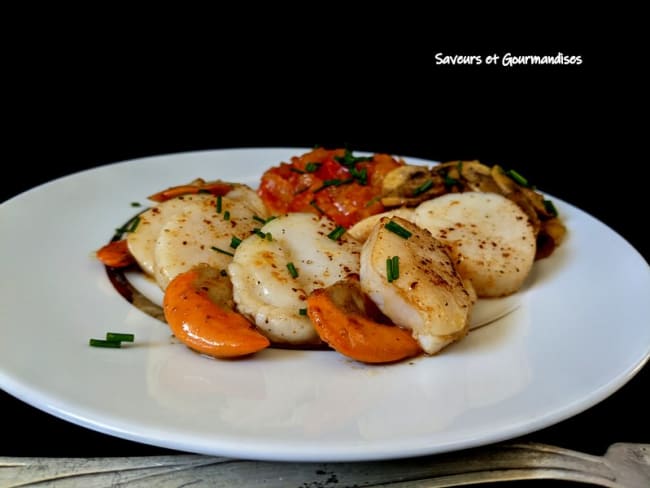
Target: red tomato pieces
column 328, row 181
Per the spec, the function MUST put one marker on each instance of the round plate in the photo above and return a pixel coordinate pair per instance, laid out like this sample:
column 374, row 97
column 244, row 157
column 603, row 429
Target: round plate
column 579, row 332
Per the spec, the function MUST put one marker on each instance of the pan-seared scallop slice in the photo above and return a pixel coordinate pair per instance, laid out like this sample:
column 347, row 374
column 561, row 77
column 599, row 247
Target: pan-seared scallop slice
column 202, row 233
column 361, row 230
column 273, row 274
column 410, row 276
column 490, row 238
column 142, row 241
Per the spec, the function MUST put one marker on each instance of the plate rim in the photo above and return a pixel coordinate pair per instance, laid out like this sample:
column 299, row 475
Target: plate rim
column 14, row 388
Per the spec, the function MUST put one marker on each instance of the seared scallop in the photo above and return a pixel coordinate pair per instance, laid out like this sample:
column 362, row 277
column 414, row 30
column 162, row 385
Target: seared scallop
column 274, row 271
column 205, row 231
column 490, row 238
column 411, row 278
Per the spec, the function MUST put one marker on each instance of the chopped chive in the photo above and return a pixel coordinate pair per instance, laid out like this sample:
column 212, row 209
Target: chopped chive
column 550, row 208
column 234, row 242
column 271, row 218
column 349, row 160
column 313, row 204
column 259, row 232
column 302, row 311
column 222, row 251
column 423, row 187
column 395, row 228
column 119, row 337
column 296, row 170
column 103, row 343
column 372, row 201
column 292, row 270
column 226, row 215
column 259, row 219
column 336, row 234
column 134, row 224
column 219, row 204
column 268, row 236
column 389, row 270
column 136, row 204
column 459, row 167
column 449, row 181
column 517, row 177
column 361, row 176
column 392, row 268
column 312, row 167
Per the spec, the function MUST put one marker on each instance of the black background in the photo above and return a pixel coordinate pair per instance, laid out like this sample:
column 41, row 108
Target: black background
column 569, row 129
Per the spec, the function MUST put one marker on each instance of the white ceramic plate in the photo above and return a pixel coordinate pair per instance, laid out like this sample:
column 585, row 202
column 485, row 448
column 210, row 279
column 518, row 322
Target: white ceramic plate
column 579, row 333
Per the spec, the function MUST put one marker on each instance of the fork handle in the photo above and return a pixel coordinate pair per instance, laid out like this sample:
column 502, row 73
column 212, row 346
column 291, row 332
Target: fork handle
column 504, row 462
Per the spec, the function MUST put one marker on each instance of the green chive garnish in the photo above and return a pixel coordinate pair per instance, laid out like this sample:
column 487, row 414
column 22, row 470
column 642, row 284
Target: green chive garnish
column 392, row 268
column 423, row 187
column 302, row 311
column 135, row 204
column 349, row 160
column 259, row 219
column 134, row 224
column 517, row 177
column 550, row 208
column 222, row 251
column 312, row 167
column 268, row 236
column 336, row 234
column 292, row 270
column 119, row 337
column 395, row 228
column 361, row 176
column 234, row 242
column 226, row 215
column 372, row 201
column 313, row 204
column 449, row 181
column 103, row 343
column 130, row 226
column 259, row 233
column 219, row 203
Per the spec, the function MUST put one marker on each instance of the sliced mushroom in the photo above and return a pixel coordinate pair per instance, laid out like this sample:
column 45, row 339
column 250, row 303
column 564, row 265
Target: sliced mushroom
column 410, row 185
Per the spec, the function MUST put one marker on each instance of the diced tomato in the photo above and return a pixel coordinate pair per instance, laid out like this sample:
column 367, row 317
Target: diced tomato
column 318, row 182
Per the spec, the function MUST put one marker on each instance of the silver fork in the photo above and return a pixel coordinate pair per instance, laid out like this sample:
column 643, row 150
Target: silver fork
column 623, row 466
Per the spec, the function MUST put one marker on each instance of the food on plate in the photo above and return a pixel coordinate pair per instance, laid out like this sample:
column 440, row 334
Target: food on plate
column 200, row 312
column 370, row 256
column 411, row 277
column 331, row 182
column 412, row 185
column 351, row 323
column 362, row 229
column 489, row 238
column 115, row 254
column 273, row 273
column 184, row 230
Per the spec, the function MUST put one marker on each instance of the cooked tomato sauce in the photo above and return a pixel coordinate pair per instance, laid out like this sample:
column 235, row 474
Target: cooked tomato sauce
column 328, row 181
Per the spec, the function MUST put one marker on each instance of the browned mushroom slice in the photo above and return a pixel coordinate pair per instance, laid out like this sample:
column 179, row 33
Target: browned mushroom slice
column 478, row 177
column 410, row 185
